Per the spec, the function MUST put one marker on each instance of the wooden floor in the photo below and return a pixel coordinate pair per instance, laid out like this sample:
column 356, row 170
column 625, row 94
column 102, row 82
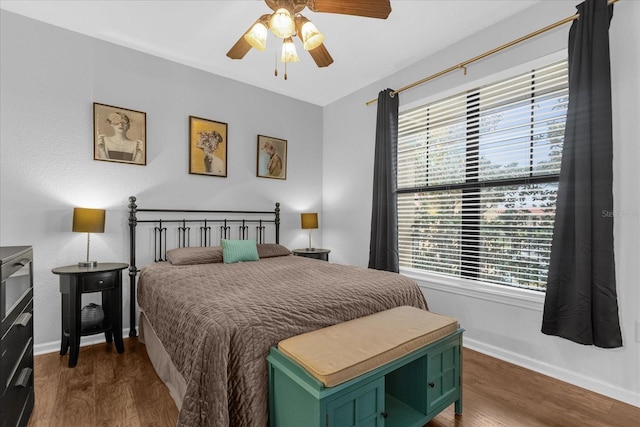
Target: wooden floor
column 109, row 389
column 104, row 389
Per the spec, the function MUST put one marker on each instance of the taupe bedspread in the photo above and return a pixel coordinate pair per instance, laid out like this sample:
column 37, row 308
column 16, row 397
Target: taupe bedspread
column 217, row 322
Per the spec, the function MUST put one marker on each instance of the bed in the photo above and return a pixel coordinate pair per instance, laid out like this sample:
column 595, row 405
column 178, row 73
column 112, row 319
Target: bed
column 208, row 325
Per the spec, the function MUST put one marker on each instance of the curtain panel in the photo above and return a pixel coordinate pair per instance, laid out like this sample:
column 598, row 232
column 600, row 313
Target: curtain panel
column 581, row 301
column 383, row 245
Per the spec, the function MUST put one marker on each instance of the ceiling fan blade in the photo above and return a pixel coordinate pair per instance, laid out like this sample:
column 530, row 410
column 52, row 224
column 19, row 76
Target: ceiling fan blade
column 321, row 56
column 240, row 49
column 367, row 8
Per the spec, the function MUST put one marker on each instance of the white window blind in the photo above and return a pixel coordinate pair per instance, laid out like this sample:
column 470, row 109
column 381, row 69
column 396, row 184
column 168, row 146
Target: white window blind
column 477, row 179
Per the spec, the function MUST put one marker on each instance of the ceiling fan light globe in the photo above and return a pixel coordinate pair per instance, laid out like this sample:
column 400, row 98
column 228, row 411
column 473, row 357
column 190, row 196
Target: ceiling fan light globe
column 289, row 53
column 257, row 36
column 281, row 24
column 311, row 37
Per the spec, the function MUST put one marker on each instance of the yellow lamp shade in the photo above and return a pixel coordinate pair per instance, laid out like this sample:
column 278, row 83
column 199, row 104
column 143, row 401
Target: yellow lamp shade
column 309, row 220
column 88, row 220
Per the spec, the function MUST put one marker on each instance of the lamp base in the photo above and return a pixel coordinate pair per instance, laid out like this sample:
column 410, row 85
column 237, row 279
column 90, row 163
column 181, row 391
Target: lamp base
column 88, row 264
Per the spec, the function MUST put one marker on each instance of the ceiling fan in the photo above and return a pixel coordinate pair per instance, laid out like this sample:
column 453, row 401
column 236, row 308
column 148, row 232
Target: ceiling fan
column 286, row 21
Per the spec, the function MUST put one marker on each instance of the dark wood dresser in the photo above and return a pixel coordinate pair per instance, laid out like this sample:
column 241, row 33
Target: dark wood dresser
column 16, row 335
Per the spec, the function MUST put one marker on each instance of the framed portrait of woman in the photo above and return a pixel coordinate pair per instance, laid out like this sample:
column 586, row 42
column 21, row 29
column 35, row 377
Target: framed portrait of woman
column 272, row 157
column 207, row 147
column 119, row 135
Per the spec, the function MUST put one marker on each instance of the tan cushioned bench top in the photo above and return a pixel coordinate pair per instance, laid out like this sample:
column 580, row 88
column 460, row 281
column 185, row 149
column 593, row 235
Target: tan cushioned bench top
column 338, row 353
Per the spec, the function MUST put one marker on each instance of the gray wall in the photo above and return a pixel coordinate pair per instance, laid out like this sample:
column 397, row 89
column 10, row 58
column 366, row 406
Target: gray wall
column 498, row 321
column 50, row 78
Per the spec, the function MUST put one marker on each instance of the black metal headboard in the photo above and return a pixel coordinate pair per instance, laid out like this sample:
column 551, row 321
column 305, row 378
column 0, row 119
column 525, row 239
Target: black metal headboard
column 206, row 222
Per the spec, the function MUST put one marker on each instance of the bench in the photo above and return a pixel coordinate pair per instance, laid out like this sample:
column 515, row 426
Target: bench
column 399, row 367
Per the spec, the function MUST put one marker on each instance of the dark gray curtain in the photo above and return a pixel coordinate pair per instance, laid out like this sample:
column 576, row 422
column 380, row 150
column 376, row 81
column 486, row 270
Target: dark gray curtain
column 383, row 246
column 581, row 303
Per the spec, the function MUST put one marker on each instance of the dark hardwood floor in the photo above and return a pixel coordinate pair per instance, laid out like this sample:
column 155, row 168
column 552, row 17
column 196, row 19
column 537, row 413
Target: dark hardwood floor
column 109, row 389
column 105, row 389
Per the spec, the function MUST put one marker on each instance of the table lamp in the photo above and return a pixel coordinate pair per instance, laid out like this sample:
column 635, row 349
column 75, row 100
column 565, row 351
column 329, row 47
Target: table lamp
column 309, row 221
column 88, row 221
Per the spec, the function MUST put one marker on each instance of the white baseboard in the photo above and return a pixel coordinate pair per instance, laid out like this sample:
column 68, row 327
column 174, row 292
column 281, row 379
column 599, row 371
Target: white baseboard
column 54, row 346
column 608, row 390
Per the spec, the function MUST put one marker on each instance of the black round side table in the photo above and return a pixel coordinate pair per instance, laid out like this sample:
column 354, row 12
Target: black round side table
column 316, row 253
column 75, row 281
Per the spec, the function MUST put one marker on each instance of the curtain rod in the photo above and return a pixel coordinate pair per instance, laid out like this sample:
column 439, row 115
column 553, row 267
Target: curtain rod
column 464, row 64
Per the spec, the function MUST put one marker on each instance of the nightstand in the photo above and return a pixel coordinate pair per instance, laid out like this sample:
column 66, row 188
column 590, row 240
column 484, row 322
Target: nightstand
column 75, row 281
column 316, row 253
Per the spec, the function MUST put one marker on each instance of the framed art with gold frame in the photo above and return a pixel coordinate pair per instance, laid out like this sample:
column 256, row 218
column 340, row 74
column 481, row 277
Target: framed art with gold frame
column 119, row 134
column 272, row 157
column 207, row 147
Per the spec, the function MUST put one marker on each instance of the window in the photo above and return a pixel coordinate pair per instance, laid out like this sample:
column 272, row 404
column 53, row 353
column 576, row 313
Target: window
column 477, row 180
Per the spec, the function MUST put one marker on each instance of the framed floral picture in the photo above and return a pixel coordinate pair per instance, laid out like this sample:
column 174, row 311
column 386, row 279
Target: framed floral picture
column 207, row 147
column 272, row 157
column 119, row 135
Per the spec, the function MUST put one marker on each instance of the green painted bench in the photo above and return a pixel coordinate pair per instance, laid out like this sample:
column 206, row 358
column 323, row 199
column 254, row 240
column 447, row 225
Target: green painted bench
column 333, row 377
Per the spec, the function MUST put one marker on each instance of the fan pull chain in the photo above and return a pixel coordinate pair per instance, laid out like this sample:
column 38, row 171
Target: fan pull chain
column 275, row 73
column 285, row 71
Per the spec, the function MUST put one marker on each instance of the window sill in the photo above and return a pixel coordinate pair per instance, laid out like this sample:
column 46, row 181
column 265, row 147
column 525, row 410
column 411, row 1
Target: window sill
column 524, row 298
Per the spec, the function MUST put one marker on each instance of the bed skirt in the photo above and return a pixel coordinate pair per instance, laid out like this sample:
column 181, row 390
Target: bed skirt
column 161, row 362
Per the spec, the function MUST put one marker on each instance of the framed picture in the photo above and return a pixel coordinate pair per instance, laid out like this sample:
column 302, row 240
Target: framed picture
column 207, row 147
column 119, row 135
column 272, row 157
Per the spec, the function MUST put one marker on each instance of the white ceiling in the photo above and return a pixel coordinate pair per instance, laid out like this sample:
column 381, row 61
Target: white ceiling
column 199, row 33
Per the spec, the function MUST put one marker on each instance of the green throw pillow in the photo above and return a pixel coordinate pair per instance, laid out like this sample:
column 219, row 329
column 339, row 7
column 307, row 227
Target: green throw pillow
column 239, row 250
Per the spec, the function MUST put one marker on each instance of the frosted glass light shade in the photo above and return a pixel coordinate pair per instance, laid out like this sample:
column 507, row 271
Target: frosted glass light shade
column 289, row 53
column 281, row 24
column 311, row 37
column 257, row 36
